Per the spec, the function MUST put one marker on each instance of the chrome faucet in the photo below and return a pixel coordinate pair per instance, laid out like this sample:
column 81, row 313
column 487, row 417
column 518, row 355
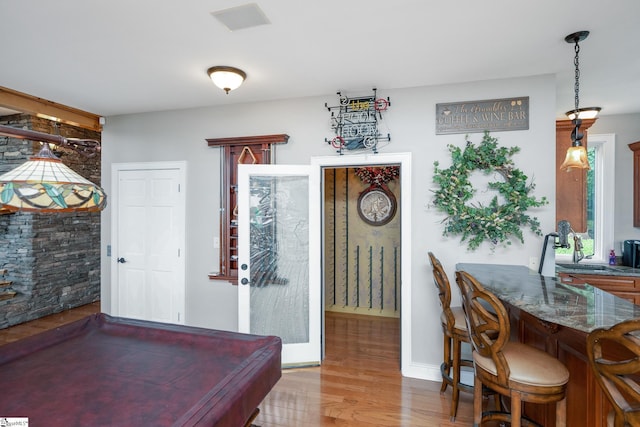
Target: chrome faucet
column 578, row 255
column 553, row 241
column 564, row 228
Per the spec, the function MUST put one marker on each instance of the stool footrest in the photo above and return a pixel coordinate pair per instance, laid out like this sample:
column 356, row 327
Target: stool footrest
column 506, row 417
column 449, row 379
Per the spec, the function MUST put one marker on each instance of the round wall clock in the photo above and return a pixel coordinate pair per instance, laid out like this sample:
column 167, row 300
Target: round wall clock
column 376, row 206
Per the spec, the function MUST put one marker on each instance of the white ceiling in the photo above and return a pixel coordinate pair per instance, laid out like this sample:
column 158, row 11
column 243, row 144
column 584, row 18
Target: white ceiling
column 112, row 57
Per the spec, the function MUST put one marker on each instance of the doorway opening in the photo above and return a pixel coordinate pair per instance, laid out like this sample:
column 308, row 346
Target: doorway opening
column 369, row 277
column 361, row 235
column 362, row 240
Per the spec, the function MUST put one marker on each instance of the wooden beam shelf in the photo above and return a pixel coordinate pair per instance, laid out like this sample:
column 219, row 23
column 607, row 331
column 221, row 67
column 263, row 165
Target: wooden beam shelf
column 43, row 108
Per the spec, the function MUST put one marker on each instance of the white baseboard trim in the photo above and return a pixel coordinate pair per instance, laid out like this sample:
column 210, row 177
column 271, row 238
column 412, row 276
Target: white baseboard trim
column 423, row 371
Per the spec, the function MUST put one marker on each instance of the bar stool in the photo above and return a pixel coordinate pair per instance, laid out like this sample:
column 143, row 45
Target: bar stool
column 454, row 329
column 614, row 356
column 519, row 371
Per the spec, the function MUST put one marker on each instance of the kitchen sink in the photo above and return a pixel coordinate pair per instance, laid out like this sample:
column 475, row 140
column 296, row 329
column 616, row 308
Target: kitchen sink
column 587, row 267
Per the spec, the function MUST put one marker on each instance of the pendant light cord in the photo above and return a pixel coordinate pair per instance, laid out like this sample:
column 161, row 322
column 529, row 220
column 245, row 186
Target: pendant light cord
column 576, row 62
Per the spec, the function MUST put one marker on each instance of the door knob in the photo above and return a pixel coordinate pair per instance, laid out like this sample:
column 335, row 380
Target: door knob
column 244, row 281
column 122, row 260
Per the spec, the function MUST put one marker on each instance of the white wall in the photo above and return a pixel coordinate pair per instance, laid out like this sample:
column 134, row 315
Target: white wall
column 626, row 127
column 180, row 135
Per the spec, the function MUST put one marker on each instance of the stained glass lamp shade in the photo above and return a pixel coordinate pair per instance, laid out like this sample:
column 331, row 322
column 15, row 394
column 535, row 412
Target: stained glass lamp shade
column 45, row 184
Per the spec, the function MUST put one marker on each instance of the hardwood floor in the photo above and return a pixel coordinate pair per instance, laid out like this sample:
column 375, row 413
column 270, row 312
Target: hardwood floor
column 358, row 384
column 33, row 327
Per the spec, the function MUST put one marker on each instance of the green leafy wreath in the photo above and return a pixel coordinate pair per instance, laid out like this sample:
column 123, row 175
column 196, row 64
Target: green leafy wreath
column 496, row 223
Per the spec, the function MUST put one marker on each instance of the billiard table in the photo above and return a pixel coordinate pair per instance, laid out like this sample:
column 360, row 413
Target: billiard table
column 109, row 371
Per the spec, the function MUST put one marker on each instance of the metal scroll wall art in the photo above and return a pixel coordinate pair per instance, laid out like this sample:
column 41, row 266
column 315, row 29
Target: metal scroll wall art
column 355, row 122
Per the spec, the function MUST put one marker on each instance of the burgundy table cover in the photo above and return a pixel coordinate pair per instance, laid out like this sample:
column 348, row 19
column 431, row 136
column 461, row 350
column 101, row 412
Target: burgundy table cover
column 107, row 371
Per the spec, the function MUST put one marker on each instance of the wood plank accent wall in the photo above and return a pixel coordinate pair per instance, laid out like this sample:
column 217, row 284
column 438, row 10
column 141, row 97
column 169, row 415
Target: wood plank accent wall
column 362, row 262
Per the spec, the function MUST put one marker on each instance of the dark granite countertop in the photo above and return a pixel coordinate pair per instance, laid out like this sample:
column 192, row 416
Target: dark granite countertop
column 581, row 307
column 599, row 269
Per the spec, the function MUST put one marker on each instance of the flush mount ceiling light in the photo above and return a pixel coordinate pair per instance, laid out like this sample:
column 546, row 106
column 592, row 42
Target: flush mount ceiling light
column 226, row 78
column 577, row 154
column 44, row 184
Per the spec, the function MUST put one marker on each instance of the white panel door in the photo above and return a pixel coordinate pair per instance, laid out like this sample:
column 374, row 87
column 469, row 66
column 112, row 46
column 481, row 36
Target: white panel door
column 148, row 244
column 279, row 257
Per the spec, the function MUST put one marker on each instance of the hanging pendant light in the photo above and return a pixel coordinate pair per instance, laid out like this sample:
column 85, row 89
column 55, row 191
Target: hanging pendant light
column 45, row 184
column 576, row 157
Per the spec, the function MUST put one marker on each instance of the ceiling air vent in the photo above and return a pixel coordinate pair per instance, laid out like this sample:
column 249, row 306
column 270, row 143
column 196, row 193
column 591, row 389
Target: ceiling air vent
column 240, row 17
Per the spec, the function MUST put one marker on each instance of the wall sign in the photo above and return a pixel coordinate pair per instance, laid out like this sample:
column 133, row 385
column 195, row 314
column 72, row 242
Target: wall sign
column 491, row 115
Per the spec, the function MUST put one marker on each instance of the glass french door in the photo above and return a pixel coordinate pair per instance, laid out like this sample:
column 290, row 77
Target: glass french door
column 279, row 257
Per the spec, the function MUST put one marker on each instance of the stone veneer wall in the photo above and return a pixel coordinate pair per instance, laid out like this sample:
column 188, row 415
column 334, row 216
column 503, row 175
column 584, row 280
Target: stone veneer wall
column 53, row 260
